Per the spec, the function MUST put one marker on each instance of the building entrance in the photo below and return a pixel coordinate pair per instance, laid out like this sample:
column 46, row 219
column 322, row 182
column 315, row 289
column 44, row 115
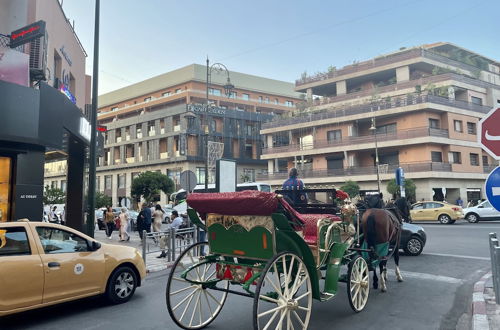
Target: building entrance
column 5, row 187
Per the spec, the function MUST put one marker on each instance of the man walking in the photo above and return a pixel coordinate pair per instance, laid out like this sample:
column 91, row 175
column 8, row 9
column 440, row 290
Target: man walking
column 144, row 220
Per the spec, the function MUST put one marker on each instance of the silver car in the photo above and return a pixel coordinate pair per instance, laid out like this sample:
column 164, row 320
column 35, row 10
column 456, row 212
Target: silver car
column 482, row 211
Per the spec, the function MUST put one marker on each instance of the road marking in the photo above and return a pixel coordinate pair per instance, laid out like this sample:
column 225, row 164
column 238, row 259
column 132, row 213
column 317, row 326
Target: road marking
column 430, row 277
column 457, row 256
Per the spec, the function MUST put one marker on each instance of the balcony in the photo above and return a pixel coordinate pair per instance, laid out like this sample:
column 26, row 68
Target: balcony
column 354, row 140
column 130, row 160
column 164, row 155
column 488, row 168
column 381, row 61
column 356, row 170
column 395, row 102
column 139, row 135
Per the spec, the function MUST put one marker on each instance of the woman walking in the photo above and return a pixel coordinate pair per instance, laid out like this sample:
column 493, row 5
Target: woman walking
column 109, row 220
column 124, row 223
column 158, row 218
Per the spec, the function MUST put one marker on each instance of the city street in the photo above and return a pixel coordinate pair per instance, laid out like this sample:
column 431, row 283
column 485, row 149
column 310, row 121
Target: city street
column 436, row 294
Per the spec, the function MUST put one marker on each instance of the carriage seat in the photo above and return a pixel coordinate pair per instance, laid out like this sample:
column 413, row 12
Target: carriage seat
column 310, row 222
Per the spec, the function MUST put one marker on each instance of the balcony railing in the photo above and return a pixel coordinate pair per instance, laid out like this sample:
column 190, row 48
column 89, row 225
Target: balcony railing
column 376, row 62
column 410, row 99
column 488, row 168
column 353, row 140
column 356, row 170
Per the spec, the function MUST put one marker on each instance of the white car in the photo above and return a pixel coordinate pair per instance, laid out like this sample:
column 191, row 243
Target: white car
column 482, row 211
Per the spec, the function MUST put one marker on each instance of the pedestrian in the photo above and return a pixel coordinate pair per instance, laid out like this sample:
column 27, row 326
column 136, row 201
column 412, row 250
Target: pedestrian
column 459, row 202
column 124, row 223
column 63, row 216
column 145, row 219
column 53, row 216
column 109, row 221
column 292, row 185
column 176, row 224
column 157, row 218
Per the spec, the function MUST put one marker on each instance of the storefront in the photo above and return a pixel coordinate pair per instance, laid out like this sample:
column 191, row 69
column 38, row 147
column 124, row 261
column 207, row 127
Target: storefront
column 34, row 121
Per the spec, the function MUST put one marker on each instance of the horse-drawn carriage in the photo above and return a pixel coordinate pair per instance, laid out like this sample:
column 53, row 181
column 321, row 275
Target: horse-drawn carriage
column 279, row 257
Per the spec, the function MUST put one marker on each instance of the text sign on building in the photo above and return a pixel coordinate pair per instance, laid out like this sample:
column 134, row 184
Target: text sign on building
column 492, row 188
column 27, row 33
column 489, row 133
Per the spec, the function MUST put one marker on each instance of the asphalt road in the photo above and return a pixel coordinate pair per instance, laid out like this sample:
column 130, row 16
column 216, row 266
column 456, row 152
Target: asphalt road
column 436, row 294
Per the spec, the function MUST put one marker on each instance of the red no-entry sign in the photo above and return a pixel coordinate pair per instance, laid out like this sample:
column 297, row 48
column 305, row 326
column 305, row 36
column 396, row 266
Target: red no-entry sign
column 489, row 133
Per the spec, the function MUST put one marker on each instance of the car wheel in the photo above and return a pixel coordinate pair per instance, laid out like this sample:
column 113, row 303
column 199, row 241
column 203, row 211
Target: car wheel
column 472, row 218
column 121, row 285
column 444, row 219
column 414, row 246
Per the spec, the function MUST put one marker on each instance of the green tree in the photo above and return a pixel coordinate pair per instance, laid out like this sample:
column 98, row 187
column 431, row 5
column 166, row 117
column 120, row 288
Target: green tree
column 52, row 195
column 149, row 184
column 351, row 188
column 410, row 188
column 102, row 200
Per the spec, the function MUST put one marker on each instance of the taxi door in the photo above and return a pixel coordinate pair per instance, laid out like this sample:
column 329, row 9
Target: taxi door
column 71, row 268
column 417, row 212
column 21, row 270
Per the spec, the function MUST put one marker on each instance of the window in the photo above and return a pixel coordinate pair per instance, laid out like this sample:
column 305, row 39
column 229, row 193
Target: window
column 434, row 123
column 232, row 95
column 139, row 131
column 135, row 175
column 63, row 185
column 485, row 160
column 335, row 135
column 178, row 90
column 476, row 100
column 147, row 99
column 386, row 129
column 15, row 242
column 213, row 125
column 245, row 97
column 200, row 175
column 289, row 103
column 107, row 182
column 98, row 183
column 60, row 241
column 266, row 100
column 474, row 159
column 436, row 156
column 276, row 101
column 249, row 174
column 471, row 128
column 334, row 163
column 455, row 157
column 166, row 94
column 457, row 124
column 260, row 99
column 249, row 130
column 213, row 91
column 418, row 206
column 121, row 181
column 114, row 108
column 389, row 158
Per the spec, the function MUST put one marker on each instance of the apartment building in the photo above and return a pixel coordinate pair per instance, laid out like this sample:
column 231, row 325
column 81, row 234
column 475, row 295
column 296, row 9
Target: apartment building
column 162, row 124
column 416, row 108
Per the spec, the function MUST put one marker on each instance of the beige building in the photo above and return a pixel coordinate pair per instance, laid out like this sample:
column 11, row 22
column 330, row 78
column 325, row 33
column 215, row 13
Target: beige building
column 161, row 124
column 424, row 105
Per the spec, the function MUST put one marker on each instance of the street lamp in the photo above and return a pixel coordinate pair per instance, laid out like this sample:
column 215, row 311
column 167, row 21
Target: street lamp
column 374, row 129
column 228, row 86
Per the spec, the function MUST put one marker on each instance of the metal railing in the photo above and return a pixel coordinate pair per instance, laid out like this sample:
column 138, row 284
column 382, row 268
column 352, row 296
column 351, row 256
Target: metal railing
column 360, row 170
column 170, row 241
column 372, row 108
column 495, row 264
column 354, row 140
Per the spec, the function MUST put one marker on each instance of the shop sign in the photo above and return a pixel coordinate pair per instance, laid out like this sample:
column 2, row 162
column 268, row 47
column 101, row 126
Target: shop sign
column 27, row 33
column 202, row 108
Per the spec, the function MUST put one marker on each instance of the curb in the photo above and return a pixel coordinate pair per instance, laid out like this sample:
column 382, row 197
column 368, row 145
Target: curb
column 154, row 269
column 479, row 316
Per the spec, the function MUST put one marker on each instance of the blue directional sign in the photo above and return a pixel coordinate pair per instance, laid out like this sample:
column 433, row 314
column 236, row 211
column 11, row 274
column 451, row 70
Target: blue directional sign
column 492, row 188
column 400, row 177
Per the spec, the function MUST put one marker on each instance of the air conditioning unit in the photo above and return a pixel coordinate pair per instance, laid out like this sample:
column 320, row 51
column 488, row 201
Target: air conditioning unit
column 38, row 58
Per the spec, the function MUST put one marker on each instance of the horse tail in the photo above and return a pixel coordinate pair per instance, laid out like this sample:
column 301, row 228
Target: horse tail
column 370, row 230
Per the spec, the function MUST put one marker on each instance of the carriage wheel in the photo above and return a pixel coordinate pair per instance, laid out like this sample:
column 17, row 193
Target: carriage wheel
column 193, row 306
column 283, row 297
column 358, row 284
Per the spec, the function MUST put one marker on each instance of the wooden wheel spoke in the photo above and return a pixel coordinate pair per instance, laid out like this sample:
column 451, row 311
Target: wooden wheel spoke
column 264, row 297
column 214, row 299
column 208, row 303
column 183, row 300
column 187, row 305
column 271, row 311
column 194, row 309
column 271, row 320
column 181, row 290
column 298, row 318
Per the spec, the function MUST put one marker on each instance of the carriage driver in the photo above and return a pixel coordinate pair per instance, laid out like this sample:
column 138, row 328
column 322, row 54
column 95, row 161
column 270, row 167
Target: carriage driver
column 294, row 184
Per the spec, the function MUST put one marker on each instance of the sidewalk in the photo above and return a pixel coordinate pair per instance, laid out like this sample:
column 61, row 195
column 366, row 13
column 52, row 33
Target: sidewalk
column 153, row 264
column 485, row 311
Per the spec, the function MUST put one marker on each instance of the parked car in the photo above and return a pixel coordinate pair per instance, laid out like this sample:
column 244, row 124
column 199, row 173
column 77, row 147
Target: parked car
column 413, row 239
column 481, row 212
column 167, row 212
column 45, row 264
column 436, row 211
column 133, row 219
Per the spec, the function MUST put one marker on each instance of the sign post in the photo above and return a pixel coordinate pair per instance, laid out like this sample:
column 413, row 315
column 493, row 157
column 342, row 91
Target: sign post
column 400, row 181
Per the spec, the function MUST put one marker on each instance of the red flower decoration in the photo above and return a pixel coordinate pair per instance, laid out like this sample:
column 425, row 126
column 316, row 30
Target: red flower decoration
column 342, row 195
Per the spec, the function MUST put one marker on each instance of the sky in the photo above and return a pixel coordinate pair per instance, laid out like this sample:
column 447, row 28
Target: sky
column 274, row 39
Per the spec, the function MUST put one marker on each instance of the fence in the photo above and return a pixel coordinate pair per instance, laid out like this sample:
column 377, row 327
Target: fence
column 495, row 265
column 171, row 241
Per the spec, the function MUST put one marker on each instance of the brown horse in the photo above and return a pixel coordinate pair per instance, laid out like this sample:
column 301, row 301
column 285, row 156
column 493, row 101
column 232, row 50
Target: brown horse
column 381, row 226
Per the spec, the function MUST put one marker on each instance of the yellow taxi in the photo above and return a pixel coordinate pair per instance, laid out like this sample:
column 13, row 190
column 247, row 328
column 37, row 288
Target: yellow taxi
column 43, row 264
column 436, row 211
